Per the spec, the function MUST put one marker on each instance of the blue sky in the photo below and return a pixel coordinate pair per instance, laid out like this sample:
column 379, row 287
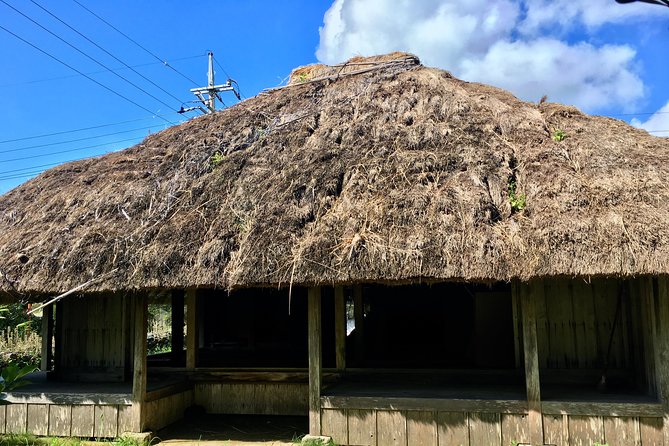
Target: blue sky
column 603, row 57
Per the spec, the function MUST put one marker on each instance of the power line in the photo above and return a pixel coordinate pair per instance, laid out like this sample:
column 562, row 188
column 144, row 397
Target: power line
column 19, row 149
column 107, row 52
column 84, row 128
column 41, row 155
column 93, row 72
column 164, row 62
column 82, row 74
column 85, row 54
column 228, row 76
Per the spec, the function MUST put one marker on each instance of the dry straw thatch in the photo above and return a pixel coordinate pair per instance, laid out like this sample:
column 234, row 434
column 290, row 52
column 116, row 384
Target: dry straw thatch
column 380, row 170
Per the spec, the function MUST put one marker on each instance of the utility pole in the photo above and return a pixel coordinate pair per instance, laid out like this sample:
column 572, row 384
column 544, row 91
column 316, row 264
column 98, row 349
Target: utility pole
column 207, row 95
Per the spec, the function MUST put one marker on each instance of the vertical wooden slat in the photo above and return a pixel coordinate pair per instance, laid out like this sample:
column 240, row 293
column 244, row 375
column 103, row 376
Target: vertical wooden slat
column 619, row 431
column 662, row 350
column 340, row 328
column 553, row 430
column 514, row 429
column 543, row 329
column 106, row 421
column 17, row 417
column 586, row 353
column 47, row 334
column 140, row 305
column 651, row 432
column 177, row 324
column 485, row 429
column 3, row 417
column 192, row 336
column 359, row 319
column 453, row 428
column 335, row 425
column 528, row 297
column 38, row 419
column 362, row 427
column 585, row 430
column 60, row 420
column 83, row 421
column 391, row 428
column 422, row 428
column 315, row 360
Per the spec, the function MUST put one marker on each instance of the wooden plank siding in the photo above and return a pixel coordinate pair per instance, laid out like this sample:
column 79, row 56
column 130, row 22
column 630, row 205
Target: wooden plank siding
column 261, row 398
column 91, row 340
column 64, row 420
column 415, row 427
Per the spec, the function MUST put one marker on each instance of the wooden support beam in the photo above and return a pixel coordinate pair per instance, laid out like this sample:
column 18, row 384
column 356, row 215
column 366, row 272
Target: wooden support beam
column 662, row 350
column 58, row 338
column 192, row 329
column 359, row 318
column 340, row 328
column 177, row 325
column 528, row 295
column 47, row 334
column 139, row 370
column 315, row 360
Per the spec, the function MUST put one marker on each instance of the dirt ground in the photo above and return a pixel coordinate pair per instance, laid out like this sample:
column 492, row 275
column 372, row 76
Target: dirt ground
column 234, row 430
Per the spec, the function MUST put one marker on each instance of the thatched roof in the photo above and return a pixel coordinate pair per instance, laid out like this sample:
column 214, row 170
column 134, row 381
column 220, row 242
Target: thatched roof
column 378, row 171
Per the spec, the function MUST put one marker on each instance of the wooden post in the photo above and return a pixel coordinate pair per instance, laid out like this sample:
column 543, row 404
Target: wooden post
column 359, row 317
column 192, row 336
column 47, row 333
column 58, row 339
column 315, row 359
column 340, row 328
column 531, row 351
column 662, row 351
column 177, row 325
column 139, row 370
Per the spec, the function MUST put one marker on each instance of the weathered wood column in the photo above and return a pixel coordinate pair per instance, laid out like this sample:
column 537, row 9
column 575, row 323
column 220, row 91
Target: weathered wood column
column 58, row 339
column 315, row 360
column 47, row 333
column 340, row 328
column 139, row 370
column 177, row 324
column 528, row 296
column 192, row 329
column 662, row 350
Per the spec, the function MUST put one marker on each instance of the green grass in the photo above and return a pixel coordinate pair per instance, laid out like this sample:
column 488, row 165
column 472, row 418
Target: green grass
column 31, row 440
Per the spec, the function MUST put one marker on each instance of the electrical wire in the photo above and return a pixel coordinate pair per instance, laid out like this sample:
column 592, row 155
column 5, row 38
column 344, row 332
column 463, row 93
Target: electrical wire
column 93, row 72
column 42, row 155
column 226, row 73
column 84, row 53
column 107, row 52
column 164, row 62
column 19, row 149
column 82, row 74
column 44, row 135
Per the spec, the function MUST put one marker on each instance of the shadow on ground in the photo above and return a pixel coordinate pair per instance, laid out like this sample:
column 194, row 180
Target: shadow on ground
column 233, row 430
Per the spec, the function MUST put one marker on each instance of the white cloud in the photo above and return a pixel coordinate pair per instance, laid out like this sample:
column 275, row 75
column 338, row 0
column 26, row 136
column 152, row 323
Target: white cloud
column 513, row 44
column 657, row 124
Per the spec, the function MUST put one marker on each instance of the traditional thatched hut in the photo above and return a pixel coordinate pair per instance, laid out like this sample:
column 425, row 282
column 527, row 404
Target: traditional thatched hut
column 504, row 263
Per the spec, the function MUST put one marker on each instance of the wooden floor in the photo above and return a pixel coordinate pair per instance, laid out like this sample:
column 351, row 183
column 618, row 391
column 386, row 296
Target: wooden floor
column 41, row 390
